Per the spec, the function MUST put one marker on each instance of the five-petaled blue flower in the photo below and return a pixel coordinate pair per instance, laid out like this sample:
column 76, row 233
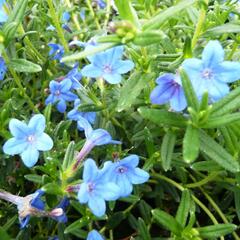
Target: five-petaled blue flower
column 95, row 190
column 169, row 89
column 74, row 114
column 3, row 68
column 108, row 65
column 28, row 140
column 212, row 73
column 75, row 76
column 56, row 52
column 3, row 15
column 125, row 173
column 60, row 93
column 94, row 235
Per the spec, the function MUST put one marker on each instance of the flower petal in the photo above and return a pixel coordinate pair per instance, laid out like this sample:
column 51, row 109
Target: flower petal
column 37, row 123
column 161, row 94
column 97, row 206
column 14, row 146
column 178, row 101
column 84, row 124
column 44, row 142
column 124, row 185
column 90, row 171
column 65, row 85
column 61, row 106
column 30, row 156
column 83, row 195
column 217, row 90
column 109, row 191
column 213, row 54
column 100, row 137
column 130, row 161
column 123, row 66
column 94, row 235
column 228, row 71
column 91, row 71
column 112, row 78
column 18, row 129
column 114, row 54
column 138, row 176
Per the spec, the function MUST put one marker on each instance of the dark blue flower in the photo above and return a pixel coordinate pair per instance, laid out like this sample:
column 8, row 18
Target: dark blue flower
column 58, row 213
column 3, row 68
column 28, row 140
column 75, row 76
column 95, row 190
column 125, row 173
column 169, row 89
column 60, row 93
column 108, row 65
column 56, row 51
column 75, row 113
column 212, row 74
column 94, row 235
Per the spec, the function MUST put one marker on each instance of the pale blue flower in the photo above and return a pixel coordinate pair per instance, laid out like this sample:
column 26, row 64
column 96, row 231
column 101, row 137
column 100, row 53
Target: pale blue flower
column 125, row 173
column 75, row 76
column 94, row 235
column 108, row 65
column 28, row 140
column 169, row 89
column 212, row 73
column 3, row 15
column 74, row 114
column 95, row 190
column 60, row 94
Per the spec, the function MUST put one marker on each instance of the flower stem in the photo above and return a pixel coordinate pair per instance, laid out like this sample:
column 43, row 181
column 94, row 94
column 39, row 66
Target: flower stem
column 93, row 14
column 199, row 25
column 57, row 24
column 19, row 84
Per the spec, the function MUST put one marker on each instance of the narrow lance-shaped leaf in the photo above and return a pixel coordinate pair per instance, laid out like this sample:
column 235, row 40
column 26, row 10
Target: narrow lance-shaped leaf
column 163, row 117
column 217, row 153
column 69, row 155
column 191, row 144
column 184, row 208
column 168, row 221
column 143, row 230
column 23, row 65
column 217, row 230
column 167, row 147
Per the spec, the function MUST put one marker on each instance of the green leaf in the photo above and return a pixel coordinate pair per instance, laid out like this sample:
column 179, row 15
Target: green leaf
column 88, row 52
column 90, row 107
column 4, row 235
column 53, row 188
column 137, row 82
column 115, row 220
column 223, row 29
column 148, row 37
column 237, row 200
column 34, row 178
column 167, row 147
column 214, row 122
column 69, row 155
column 161, row 18
column 191, row 144
column 168, row 221
column 163, row 117
column 76, row 225
column 217, row 153
column 227, row 104
column 127, row 12
column 184, row 208
column 217, row 230
column 23, row 65
column 9, row 223
column 190, row 94
column 209, row 166
column 143, row 230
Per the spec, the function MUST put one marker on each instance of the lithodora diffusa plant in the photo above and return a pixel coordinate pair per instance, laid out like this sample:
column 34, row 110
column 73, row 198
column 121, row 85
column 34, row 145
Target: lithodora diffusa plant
column 119, row 119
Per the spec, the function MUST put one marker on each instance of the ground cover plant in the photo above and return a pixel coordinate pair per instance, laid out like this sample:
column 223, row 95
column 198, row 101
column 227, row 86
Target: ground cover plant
column 120, row 119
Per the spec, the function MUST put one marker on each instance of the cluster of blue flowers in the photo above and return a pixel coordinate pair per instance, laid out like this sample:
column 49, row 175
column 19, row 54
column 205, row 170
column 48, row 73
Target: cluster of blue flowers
column 113, row 181
column 210, row 74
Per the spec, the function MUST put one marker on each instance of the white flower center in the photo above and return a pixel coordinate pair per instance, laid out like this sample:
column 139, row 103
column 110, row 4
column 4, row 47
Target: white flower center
column 207, row 73
column 31, row 138
column 57, row 93
column 90, row 187
column 107, row 69
column 121, row 169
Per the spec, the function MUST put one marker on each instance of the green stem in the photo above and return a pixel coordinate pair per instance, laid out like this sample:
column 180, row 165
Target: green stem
column 108, row 11
column 199, row 25
column 234, row 48
column 57, row 24
column 93, row 14
column 74, row 16
column 19, row 84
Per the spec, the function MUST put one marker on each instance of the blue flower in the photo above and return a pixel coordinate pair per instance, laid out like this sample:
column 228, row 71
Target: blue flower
column 125, row 173
column 75, row 113
column 29, row 206
column 60, row 93
column 28, row 140
column 94, row 235
column 58, row 213
column 100, row 3
column 3, row 68
column 212, row 73
column 169, row 89
column 65, row 19
column 95, row 190
column 95, row 137
column 56, row 51
column 3, row 15
column 108, row 65
column 75, row 76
